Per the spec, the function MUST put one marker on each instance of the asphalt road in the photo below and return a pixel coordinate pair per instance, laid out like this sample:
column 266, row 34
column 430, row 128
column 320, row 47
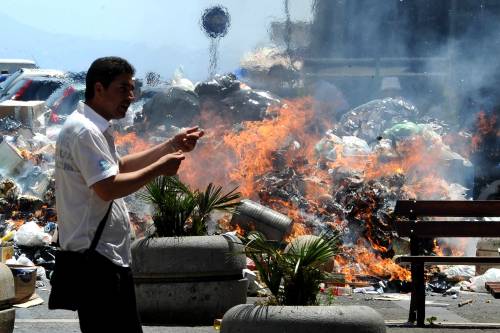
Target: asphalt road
column 393, row 307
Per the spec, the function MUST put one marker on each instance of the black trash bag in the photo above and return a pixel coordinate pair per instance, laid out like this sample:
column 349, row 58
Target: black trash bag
column 174, row 106
column 397, row 286
column 248, row 104
column 439, row 284
column 220, row 86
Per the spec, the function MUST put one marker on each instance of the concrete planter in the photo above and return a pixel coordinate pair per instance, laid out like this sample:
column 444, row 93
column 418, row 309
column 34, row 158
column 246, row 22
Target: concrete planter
column 7, row 294
column 247, row 318
column 188, row 280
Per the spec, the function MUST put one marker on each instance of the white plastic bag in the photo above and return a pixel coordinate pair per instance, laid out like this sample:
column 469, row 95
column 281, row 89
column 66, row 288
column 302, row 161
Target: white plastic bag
column 460, row 272
column 354, row 146
column 30, row 234
column 491, row 275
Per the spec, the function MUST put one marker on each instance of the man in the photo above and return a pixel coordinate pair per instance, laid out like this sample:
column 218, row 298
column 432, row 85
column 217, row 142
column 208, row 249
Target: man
column 90, row 176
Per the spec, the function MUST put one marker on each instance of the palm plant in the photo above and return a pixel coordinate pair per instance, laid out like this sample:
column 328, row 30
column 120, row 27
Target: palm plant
column 178, row 211
column 292, row 275
column 209, row 200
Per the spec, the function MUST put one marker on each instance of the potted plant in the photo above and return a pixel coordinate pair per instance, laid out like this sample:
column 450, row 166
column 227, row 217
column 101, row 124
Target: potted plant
column 181, row 275
column 293, row 276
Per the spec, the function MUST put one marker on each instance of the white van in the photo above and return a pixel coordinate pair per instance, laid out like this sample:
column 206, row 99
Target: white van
column 8, row 66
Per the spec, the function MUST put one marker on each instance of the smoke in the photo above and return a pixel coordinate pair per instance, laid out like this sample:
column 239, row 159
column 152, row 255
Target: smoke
column 442, row 52
column 438, row 55
column 473, row 72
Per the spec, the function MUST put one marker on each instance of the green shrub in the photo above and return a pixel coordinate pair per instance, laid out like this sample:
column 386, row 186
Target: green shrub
column 179, row 211
column 292, row 275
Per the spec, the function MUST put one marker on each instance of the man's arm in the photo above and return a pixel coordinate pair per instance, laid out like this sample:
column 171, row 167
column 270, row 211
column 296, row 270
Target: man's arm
column 185, row 141
column 125, row 183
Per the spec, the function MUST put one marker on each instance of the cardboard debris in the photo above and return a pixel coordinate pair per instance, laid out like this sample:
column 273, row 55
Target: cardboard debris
column 32, row 301
column 10, row 158
column 25, row 112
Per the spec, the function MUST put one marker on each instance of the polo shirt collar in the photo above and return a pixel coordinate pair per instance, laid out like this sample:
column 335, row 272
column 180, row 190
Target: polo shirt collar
column 89, row 113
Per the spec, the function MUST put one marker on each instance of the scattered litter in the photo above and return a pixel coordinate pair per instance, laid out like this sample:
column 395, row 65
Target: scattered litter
column 30, row 234
column 393, row 297
column 468, row 301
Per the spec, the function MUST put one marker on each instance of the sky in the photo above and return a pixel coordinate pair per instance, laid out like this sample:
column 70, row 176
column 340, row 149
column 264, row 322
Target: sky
column 155, row 35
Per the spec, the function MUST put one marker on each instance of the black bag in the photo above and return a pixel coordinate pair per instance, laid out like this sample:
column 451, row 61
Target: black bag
column 68, row 277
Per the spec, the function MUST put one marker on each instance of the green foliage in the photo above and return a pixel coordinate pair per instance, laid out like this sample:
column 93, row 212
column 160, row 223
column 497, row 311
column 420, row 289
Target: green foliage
column 431, row 320
column 297, row 269
column 178, row 211
column 209, row 200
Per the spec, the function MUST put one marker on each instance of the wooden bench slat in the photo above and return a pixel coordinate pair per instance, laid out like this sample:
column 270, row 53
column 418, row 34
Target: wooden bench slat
column 433, row 229
column 413, row 210
column 448, row 260
column 456, row 208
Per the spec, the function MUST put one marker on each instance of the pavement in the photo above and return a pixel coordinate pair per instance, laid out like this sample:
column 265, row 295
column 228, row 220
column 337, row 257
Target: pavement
column 450, row 317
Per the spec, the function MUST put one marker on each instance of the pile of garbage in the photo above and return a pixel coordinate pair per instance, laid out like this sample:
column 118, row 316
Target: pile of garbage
column 182, row 103
column 349, row 181
column 351, row 178
column 27, row 194
column 27, row 188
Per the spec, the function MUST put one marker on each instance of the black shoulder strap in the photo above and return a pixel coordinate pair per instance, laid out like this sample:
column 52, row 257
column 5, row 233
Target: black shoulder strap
column 100, row 228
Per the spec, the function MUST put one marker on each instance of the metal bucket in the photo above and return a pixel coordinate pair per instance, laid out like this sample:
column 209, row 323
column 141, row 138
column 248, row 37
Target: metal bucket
column 487, row 247
column 251, row 215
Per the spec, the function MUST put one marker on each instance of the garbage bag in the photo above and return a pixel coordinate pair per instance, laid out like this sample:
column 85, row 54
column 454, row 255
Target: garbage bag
column 403, row 130
column 439, row 284
column 30, row 234
column 247, row 104
column 174, row 106
column 460, row 272
column 354, row 146
column 220, row 86
column 368, row 121
column 477, row 282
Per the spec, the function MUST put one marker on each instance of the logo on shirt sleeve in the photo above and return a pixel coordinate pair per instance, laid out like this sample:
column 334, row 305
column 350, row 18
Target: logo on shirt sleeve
column 104, row 165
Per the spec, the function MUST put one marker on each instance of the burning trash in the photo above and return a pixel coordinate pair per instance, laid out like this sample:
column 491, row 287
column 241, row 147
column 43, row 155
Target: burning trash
column 301, row 170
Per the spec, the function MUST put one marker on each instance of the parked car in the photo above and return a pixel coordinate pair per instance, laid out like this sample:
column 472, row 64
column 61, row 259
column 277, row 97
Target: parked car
column 33, row 89
column 64, row 100
column 25, row 73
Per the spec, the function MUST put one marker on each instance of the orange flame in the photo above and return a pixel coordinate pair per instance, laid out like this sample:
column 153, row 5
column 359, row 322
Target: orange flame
column 130, row 142
column 285, row 140
column 368, row 263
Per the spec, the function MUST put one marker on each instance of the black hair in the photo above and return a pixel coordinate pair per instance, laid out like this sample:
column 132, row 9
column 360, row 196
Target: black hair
column 105, row 70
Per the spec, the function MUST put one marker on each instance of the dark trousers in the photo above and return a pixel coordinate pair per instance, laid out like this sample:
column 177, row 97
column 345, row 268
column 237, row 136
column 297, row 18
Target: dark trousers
column 109, row 302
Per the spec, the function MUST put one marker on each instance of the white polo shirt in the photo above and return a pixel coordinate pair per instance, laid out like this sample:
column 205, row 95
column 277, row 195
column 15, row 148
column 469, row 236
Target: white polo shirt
column 86, row 154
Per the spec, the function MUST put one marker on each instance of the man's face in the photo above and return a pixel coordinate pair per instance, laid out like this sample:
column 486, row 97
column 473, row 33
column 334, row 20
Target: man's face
column 115, row 100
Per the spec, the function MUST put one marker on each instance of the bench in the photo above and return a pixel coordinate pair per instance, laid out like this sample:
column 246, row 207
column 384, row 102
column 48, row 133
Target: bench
column 409, row 223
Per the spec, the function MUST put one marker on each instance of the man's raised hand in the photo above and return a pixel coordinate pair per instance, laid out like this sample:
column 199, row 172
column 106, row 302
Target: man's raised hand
column 169, row 164
column 187, row 139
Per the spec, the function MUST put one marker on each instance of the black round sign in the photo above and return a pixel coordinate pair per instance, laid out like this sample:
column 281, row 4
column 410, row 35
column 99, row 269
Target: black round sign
column 216, row 21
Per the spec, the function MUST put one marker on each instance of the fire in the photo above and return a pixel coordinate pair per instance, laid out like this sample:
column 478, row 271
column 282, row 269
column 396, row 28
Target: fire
column 413, row 160
column 255, row 145
column 283, row 144
column 358, row 260
column 225, row 224
column 130, row 142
